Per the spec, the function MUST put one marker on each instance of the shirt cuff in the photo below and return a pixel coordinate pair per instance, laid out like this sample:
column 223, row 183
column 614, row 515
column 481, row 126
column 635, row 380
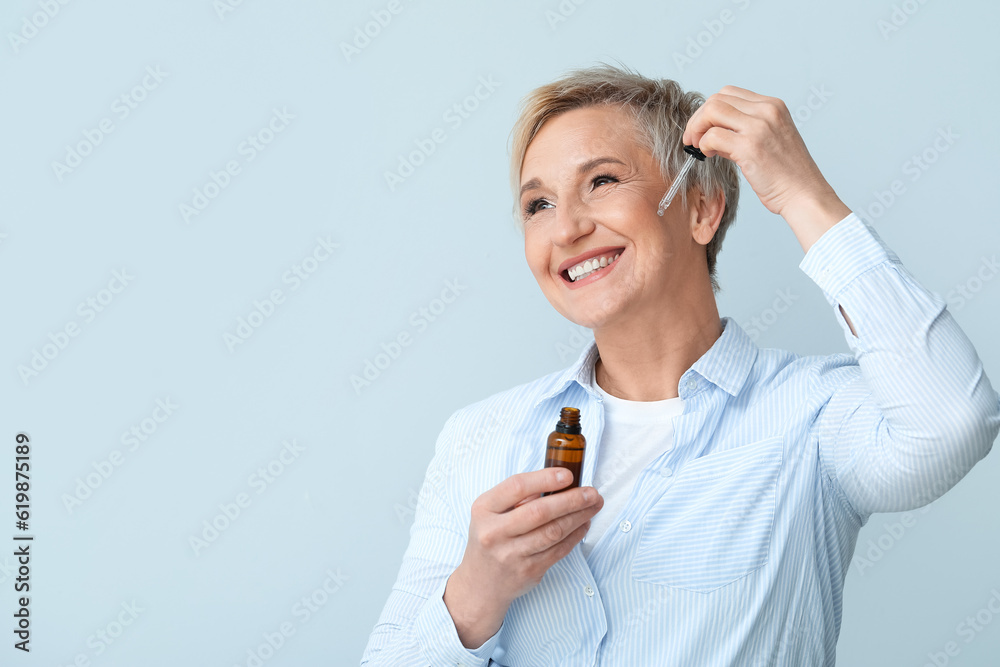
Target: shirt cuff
column 439, row 638
column 845, row 251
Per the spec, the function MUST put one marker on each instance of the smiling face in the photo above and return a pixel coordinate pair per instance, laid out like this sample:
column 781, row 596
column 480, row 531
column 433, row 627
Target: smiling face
column 590, row 189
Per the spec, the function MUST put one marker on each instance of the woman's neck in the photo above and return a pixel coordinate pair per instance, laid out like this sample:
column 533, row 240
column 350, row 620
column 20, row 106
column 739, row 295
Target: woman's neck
column 648, row 366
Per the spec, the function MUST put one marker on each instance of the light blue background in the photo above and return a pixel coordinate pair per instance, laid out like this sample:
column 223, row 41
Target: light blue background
column 343, row 504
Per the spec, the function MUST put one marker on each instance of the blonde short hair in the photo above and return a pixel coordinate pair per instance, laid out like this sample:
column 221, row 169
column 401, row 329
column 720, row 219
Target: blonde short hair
column 660, row 110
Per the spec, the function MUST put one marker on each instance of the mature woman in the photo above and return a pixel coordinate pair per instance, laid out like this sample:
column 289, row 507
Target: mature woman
column 724, row 485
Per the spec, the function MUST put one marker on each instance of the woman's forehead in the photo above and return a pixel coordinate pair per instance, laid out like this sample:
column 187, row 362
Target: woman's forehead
column 588, row 122
column 581, row 138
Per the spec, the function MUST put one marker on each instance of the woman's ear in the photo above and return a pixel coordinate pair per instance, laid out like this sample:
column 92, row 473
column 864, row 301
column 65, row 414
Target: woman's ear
column 706, row 214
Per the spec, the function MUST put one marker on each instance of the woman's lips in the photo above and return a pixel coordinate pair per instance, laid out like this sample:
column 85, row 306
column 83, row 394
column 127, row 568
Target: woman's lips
column 596, row 275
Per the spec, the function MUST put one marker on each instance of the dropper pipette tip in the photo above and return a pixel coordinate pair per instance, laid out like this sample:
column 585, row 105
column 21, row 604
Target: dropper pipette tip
column 693, row 154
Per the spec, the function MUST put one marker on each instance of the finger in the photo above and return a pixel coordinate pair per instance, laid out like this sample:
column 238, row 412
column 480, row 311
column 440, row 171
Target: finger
column 759, row 108
column 522, row 486
column 560, row 512
column 714, row 114
column 740, row 103
column 560, row 549
column 723, row 142
column 527, row 500
column 547, row 534
column 749, row 95
column 733, row 146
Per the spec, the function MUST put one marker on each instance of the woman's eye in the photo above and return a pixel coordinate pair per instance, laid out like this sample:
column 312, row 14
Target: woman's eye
column 535, row 205
column 532, row 206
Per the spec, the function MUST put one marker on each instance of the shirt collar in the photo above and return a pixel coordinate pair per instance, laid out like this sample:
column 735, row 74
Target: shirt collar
column 726, row 364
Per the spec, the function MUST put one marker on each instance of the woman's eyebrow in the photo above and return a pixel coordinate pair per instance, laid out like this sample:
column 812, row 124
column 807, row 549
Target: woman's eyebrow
column 581, row 170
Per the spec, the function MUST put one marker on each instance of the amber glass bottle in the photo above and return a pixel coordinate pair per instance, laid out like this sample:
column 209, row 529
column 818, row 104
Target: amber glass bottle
column 565, row 447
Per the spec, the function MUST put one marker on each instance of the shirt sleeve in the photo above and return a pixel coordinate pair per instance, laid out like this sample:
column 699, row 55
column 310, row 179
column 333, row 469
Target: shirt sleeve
column 921, row 412
column 415, row 627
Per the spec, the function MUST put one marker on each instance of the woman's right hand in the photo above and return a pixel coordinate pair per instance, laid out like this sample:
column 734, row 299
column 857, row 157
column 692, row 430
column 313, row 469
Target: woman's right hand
column 515, row 536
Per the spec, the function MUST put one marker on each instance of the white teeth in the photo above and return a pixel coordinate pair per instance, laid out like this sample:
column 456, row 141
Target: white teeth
column 586, row 268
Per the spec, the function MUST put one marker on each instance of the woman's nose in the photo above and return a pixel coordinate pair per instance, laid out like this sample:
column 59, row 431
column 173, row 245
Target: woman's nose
column 573, row 220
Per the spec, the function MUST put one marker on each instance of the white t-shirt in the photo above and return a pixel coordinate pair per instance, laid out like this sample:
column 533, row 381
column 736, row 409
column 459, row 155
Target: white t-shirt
column 635, row 433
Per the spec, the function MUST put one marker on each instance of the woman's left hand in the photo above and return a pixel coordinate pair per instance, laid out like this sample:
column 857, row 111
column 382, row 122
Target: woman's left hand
column 759, row 135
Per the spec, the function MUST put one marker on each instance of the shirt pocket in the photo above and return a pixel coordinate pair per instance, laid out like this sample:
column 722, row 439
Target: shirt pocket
column 713, row 525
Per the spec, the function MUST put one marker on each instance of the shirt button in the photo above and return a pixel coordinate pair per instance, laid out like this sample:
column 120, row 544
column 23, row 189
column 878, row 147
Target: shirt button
column 666, row 472
column 589, row 591
column 625, row 526
column 692, row 384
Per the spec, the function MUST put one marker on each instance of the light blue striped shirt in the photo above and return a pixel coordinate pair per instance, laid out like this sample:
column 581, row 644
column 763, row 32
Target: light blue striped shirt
column 733, row 546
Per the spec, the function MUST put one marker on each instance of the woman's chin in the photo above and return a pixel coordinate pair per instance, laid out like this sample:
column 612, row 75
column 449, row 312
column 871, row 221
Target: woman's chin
column 593, row 317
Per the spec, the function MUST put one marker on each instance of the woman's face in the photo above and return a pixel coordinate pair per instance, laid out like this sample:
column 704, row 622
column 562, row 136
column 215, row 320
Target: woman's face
column 590, row 189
